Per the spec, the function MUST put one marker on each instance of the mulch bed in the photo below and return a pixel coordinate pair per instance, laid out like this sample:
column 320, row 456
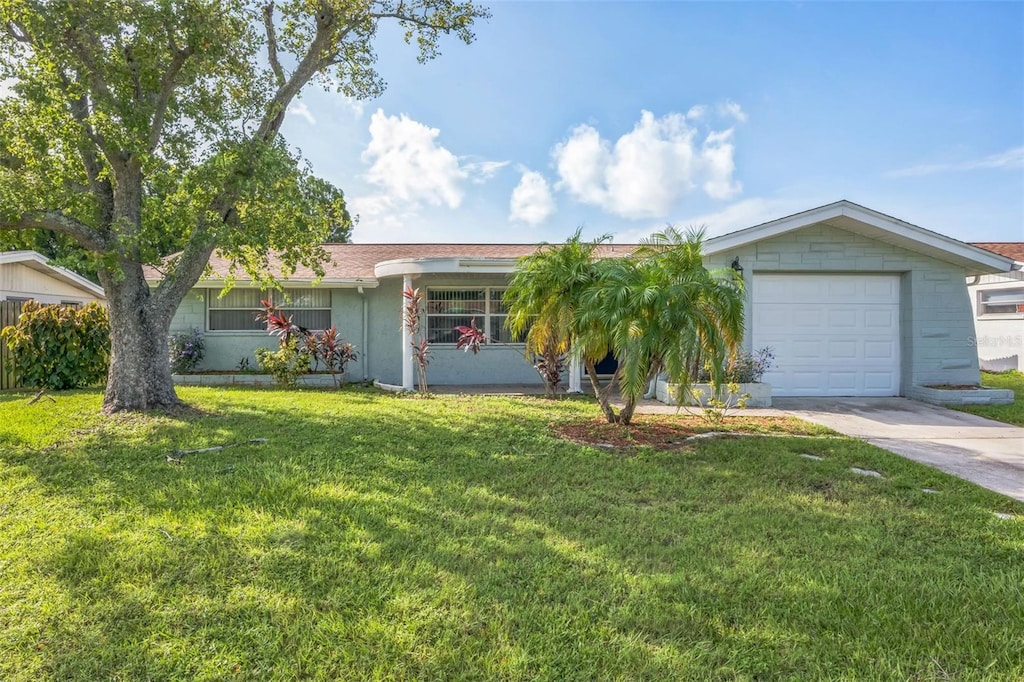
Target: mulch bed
column 671, row 432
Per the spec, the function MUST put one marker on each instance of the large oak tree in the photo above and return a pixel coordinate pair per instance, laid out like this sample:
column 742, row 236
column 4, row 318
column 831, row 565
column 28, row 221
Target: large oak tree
column 142, row 129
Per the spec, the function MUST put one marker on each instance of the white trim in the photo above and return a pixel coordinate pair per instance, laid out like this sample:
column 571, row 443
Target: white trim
column 34, row 259
column 326, row 283
column 407, row 369
column 870, row 223
column 436, row 266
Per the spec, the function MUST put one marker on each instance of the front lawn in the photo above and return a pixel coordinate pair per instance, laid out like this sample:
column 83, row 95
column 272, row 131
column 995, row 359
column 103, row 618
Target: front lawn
column 381, row 537
column 1012, row 413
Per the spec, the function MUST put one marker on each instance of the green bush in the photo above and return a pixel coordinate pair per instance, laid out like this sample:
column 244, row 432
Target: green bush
column 286, row 364
column 185, row 351
column 58, row 347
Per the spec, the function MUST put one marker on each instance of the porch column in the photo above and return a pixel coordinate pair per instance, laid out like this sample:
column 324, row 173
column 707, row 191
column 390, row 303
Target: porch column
column 407, row 368
column 575, row 375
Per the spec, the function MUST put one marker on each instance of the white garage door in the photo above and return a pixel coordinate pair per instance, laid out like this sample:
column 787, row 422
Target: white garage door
column 832, row 335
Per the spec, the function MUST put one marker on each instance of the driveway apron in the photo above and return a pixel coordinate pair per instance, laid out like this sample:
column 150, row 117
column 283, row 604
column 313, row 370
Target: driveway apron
column 980, row 450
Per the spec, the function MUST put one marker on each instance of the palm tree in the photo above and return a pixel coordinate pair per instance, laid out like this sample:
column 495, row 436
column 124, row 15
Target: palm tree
column 543, row 300
column 660, row 310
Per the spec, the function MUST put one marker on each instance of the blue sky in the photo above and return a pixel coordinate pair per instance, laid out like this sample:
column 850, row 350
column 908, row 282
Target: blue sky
column 622, row 117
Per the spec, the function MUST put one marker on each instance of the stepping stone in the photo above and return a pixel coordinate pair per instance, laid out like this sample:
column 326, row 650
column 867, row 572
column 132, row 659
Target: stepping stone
column 1004, row 517
column 814, row 457
column 930, row 490
column 866, row 472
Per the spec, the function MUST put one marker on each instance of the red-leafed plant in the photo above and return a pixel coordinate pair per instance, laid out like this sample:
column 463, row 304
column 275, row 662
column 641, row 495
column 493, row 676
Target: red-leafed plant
column 334, row 353
column 278, row 324
column 471, row 338
column 327, row 346
column 412, row 320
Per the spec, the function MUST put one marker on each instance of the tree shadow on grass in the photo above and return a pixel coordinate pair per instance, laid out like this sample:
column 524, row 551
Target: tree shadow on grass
column 454, row 539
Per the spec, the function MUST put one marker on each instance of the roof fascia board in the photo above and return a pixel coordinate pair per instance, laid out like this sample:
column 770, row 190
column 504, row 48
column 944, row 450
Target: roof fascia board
column 40, row 263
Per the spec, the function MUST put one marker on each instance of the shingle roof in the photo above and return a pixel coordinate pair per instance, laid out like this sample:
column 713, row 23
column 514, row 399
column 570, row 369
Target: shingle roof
column 1014, row 250
column 353, row 261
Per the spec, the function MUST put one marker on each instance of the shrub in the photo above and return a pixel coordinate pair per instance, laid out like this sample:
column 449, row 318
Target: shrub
column 286, row 364
column 744, row 368
column 59, row 347
column 186, row 351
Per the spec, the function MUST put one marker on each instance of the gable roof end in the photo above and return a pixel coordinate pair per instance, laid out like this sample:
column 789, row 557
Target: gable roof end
column 40, row 263
column 858, row 219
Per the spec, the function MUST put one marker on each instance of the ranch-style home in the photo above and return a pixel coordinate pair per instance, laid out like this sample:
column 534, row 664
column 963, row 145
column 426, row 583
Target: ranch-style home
column 998, row 304
column 853, row 302
column 28, row 275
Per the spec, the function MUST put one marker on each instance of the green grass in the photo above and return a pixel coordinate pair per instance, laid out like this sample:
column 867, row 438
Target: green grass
column 380, row 537
column 1012, row 413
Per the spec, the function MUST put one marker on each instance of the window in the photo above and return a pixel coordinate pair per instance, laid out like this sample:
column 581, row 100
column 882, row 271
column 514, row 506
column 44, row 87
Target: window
column 236, row 310
column 450, row 308
column 1001, row 301
column 71, row 304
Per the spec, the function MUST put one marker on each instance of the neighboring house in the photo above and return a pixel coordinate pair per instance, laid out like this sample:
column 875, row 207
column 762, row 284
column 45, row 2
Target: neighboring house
column 998, row 305
column 27, row 275
column 852, row 301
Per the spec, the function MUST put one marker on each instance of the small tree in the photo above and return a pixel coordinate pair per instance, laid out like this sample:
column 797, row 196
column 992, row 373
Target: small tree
column 59, row 347
column 659, row 310
column 543, row 299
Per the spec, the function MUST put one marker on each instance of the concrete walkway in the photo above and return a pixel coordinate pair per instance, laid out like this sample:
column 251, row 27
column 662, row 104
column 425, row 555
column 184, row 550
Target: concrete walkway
column 982, row 451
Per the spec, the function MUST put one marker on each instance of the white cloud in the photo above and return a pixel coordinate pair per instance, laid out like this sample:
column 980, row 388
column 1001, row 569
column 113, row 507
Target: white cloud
column 482, row 171
column 531, row 201
column 355, row 106
column 302, row 110
column 697, row 111
column 408, row 163
column 648, row 170
column 730, row 109
column 1011, row 158
column 382, row 219
column 6, row 87
column 745, row 213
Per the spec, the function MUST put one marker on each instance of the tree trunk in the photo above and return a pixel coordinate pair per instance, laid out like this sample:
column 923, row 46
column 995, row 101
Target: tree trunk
column 602, row 394
column 140, row 374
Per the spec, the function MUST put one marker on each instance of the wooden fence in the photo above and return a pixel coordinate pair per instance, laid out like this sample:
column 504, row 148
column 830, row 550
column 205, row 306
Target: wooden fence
column 9, row 311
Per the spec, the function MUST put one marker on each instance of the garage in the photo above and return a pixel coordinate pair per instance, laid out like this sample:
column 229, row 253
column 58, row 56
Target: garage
column 832, row 334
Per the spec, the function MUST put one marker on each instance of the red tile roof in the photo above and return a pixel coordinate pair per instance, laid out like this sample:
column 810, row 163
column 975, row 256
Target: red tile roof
column 352, row 261
column 1014, row 250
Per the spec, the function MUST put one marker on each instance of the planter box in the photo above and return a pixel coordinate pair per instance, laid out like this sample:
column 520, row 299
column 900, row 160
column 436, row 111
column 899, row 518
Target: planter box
column 315, row 380
column 958, row 397
column 760, row 394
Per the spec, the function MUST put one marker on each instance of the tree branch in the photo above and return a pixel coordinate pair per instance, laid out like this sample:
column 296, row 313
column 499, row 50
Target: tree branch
column 59, row 222
column 275, row 63
column 422, row 22
column 164, row 95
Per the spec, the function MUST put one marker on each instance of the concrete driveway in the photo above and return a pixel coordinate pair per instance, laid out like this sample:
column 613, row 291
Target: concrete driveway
column 980, row 450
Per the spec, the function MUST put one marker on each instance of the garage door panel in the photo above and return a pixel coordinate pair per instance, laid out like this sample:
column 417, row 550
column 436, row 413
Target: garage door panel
column 833, row 335
column 880, row 318
column 882, row 289
column 843, row 317
column 843, row 350
column 880, row 350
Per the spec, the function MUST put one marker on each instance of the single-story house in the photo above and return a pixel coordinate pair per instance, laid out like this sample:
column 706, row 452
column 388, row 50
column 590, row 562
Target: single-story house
column 997, row 301
column 853, row 302
column 28, row 275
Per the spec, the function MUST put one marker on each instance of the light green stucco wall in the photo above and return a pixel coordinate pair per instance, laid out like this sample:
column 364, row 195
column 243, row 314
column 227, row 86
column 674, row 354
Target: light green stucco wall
column 381, row 354
column 936, row 324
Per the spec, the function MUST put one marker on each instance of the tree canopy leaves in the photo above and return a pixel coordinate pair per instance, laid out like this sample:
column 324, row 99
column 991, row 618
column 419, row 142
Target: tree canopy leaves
column 145, row 128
